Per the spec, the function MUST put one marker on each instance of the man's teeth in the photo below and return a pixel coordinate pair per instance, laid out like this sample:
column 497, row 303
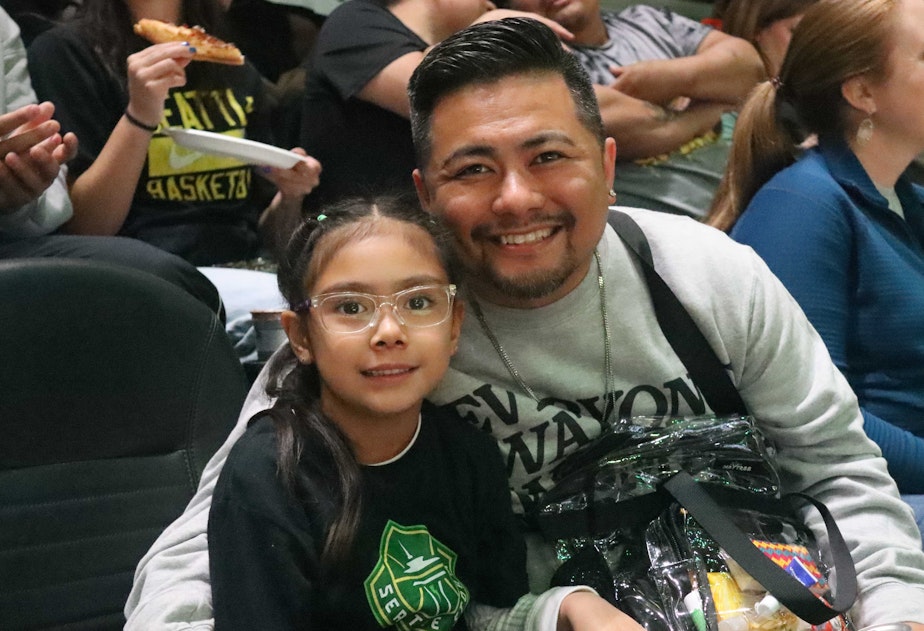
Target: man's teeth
column 529, row 237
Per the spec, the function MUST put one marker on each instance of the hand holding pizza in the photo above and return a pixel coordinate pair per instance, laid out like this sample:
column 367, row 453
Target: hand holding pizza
column 152, row 72
column 156, row 69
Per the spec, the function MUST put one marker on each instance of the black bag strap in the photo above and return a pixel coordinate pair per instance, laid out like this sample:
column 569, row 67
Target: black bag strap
column 684, row 336
column 785, row 588
column 599, row 519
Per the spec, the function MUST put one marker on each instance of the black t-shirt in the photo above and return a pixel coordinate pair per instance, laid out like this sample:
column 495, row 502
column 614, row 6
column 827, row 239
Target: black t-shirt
column 200, row 206
column 437, row 530
column 363, row 148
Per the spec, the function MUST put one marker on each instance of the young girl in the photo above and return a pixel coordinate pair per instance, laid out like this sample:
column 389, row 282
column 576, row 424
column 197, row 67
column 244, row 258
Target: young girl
column 351, row 503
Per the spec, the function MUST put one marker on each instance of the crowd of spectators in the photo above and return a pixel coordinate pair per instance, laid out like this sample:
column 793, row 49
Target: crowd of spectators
column 36, row 210
column 789, row 124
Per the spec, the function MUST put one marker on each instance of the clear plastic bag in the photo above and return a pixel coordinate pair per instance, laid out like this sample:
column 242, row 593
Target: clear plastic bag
column 702, row 588
column 617, row 531
column 635, row 455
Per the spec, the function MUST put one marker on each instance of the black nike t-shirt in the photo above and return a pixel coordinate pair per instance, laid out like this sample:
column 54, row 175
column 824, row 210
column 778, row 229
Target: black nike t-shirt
column 201, row 206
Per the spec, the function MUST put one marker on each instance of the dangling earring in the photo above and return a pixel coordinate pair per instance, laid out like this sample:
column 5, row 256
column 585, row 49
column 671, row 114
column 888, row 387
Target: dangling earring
column 865, row 131
column 612, row 194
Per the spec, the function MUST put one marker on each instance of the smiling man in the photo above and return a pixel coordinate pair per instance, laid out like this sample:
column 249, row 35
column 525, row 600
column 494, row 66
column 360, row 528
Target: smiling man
column 513, row 157
column 510, row 171
column 562, row 338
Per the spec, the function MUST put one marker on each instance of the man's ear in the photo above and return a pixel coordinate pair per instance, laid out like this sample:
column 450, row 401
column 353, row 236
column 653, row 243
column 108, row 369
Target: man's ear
column 458, row 315
column 856, row 91
column 609, row 160
column 298, row 336
column 422, row 193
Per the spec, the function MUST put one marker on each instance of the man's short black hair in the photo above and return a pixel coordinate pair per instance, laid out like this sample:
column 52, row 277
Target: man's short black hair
column 490, row 51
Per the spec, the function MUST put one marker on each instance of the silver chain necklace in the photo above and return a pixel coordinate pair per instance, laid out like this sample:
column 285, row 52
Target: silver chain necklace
column 608, row 396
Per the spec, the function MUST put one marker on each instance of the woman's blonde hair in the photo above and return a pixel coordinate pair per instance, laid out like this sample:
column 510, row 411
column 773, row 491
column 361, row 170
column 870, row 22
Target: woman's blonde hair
column 834, row 41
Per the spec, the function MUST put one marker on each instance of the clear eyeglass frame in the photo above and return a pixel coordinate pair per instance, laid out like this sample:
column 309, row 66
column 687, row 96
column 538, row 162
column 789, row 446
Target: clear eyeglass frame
column 354, row 312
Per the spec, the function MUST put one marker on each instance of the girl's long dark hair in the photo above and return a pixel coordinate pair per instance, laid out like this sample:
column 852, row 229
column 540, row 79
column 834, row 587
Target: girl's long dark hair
column 296, row 387
column 107, row 25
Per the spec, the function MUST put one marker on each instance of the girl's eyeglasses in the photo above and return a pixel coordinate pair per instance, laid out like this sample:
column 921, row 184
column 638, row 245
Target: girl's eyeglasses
column 352, row 312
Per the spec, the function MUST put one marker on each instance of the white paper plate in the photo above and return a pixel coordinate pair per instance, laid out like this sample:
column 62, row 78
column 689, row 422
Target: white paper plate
column 250, row 151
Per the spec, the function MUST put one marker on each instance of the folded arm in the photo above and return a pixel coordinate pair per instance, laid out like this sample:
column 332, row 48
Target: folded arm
column 388, row 88
column 643, row 129
column 724, row 69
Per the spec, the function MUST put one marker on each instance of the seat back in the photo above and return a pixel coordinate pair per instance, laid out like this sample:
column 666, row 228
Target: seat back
column 115, row 389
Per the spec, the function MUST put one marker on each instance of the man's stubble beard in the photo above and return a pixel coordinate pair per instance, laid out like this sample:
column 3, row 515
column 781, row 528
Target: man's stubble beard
column 529, row 286
column 525, row 287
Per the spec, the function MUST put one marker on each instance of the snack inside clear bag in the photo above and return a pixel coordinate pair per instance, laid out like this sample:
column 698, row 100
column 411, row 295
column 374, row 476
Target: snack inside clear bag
column 705, row 589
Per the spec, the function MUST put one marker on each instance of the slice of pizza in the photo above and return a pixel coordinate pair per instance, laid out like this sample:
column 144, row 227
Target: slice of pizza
column 208, row 47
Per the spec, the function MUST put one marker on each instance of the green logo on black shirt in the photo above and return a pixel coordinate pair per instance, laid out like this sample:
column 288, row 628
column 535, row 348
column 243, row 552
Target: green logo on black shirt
column 414, row 586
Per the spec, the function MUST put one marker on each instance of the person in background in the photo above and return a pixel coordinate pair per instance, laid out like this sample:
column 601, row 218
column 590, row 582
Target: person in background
column 564, row 338
column 841, row 225
column 329, row 492
column 34, row 201
column 35, row 16
column 767, row 24
column 663, row 82
column 33, row 195
column 355, row 114
column 33, row 189
column 278, row 38
column 116, row 93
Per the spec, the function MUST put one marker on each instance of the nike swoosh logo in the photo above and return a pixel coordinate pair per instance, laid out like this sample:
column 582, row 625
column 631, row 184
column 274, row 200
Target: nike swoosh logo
column 180, row 160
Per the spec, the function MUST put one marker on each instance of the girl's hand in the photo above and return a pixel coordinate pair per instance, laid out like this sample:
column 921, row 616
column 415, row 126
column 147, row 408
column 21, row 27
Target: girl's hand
column 152, row 72
column 284, row 212
column 586, row 611
column 298, row 181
